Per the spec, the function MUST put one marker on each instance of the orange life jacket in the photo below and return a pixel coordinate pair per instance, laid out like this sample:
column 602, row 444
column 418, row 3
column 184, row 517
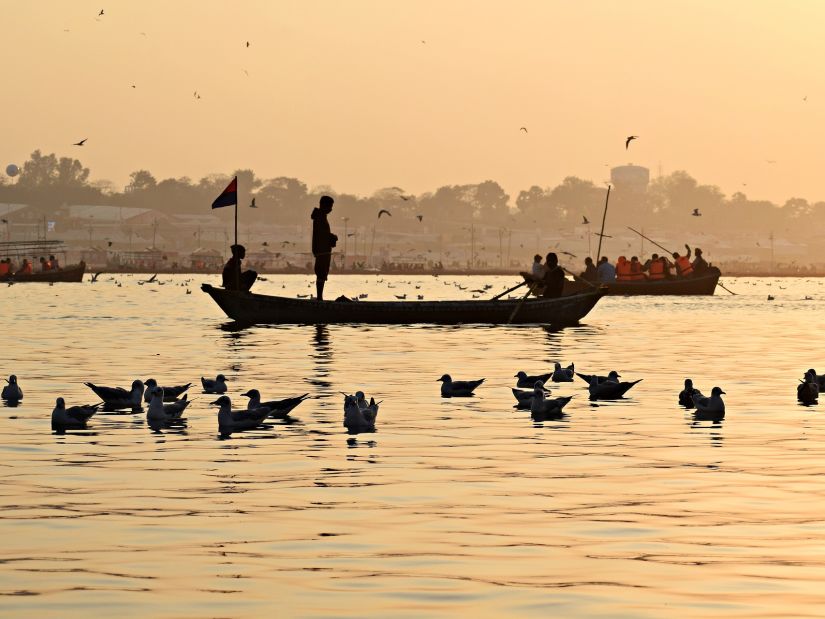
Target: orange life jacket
column 622, row 269
column 656, row 270
column 636, row 271
column 4, row 268
column 685, row 267
column 28, row 268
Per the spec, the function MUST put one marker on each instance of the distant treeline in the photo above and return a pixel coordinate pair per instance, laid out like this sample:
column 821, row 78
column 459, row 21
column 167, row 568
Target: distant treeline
column 47, row 182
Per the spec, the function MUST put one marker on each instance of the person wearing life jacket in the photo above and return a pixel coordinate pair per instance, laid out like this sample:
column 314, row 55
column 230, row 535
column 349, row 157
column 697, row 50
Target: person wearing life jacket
column 655, row 268
column 25, row 268
column 5, row 266
column 684, row 268
column 622, row 269
column 44, row 266
column 636, row 274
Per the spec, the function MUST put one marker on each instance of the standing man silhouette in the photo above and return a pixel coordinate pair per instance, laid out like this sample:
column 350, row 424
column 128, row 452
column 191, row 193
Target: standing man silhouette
column 322, row 243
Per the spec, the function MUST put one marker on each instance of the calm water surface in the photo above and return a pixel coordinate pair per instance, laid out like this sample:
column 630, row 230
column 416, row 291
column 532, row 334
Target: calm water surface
column 624, row 509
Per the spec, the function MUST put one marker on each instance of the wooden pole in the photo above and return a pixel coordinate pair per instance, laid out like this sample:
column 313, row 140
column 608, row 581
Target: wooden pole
column 604, row 217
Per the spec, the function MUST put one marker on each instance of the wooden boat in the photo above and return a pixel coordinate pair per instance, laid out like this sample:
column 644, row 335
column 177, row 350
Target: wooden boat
column 701, row 285
column 250, row 308
column 70, row 273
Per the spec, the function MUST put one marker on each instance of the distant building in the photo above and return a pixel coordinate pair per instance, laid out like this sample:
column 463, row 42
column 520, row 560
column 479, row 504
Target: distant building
column 630, row 178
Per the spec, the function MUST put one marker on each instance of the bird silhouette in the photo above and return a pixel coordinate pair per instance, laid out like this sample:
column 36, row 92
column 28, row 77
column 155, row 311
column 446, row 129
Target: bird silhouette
column 252, row 204
column 382, row 211
column 247, row 43
column 419, row 217
column 585, row 220
column 805, row 98
column 101, row 13
column 523, row 129
column 696, row 213
column 265, row 244
column 133, row 86
column 629, row 139
column 110, row 243
column 567, row 253
column 81, row 142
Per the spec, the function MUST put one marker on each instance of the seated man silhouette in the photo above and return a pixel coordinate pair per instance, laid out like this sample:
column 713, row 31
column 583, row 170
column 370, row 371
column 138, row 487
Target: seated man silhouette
column 233, row 278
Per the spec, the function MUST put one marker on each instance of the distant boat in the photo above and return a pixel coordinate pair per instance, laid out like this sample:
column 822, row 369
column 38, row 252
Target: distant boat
column 250, row 308
column 18, row 250
column 703, row 285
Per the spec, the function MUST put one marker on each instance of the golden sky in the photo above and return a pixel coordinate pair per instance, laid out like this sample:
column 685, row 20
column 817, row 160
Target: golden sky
column 367, row 94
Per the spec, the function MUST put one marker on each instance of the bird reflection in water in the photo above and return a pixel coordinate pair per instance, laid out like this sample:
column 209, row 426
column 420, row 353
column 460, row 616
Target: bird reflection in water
column 322, row 357
column 710, row 422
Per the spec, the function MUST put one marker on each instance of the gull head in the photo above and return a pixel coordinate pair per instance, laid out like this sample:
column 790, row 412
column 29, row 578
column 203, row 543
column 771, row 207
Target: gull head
column 613, row 375
column 359, row 395
column 445, row 379
column 137, row 384
column 12, row 380
column 222, row 401
column 220, row 377
column 60, row 403
column 151, row 383
column 688, row 383
column 716, row 391
column 539, row 386
column 521, row 375
column 252, row 393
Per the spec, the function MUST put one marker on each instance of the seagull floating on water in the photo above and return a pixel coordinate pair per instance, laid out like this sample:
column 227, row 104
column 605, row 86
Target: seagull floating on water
column 277, row 408
column 230, row 421
column 214, row 386
column 686, row 395
column 808, row 390
column 610, row 388
column 116, row 398
column 12, row 392
column 563, row 375
column 457, row 388
column 712, row 405
column 170, row 394
column 542, row 407
column 72, row 418
column 160, row 415
column 356, row 419
column 528, row 381
column 819, row 378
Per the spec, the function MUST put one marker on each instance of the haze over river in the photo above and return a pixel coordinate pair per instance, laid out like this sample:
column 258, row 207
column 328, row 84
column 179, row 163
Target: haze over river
column 464, row 505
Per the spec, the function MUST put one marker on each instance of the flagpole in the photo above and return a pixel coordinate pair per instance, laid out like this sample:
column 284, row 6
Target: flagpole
column 236, row 228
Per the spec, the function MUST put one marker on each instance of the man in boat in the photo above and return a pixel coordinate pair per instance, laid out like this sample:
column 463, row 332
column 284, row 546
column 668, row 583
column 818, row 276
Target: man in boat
column 589, row 274
column 656, row 268
column 5, row 266
column 323, row 240
column 538, row 269
column 44, row 266
column 606, row 271
column 54, row 263
column 553, row 279
column 684, row 268
column 233, row 279
column 636, row 270
column 700, row 266
column 25, row 268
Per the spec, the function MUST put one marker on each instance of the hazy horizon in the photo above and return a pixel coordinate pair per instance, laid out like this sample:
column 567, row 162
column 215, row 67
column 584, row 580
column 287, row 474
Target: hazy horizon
column 365, row 95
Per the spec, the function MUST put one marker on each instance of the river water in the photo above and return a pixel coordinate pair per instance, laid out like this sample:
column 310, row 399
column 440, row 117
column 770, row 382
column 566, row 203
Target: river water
column 622, row 509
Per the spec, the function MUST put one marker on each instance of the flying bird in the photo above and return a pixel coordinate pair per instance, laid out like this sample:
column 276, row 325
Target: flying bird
column 805, row 98
column 567, row 253
column 81, row 142
column 419, row 218
column 770, row 160
column 523, row 129
column 382, row 211
column 101, row 13
column 247, row 43
column 252, row 204
column 133, row 86
column 585, row 220
column 696, row 213
column 629, row 139
column 110, row 243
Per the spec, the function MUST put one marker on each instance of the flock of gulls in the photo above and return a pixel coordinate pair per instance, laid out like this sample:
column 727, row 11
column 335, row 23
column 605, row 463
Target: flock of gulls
column 166, row 405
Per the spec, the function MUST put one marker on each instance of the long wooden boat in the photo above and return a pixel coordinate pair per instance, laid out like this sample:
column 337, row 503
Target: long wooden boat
column 250, row 308
column 70, row 273
column 702, row 285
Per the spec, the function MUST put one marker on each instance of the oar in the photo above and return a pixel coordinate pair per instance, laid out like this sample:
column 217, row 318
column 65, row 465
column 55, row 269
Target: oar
column 649, row 239
column 518, row 307
column 723, row 288
column 498, row 296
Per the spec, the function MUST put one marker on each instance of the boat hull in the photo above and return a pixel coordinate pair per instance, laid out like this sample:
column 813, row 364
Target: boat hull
column 249, row 308
column 71, row 273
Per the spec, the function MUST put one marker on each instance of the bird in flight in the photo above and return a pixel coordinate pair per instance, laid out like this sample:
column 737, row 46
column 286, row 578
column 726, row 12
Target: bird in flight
column 805, row 98
column 247, row 43
column 523, row 129
column 196, row 95
column 382, row 211
column 629, row 139
column 585, row 220
column 696, row 213
column 252, row 204
column 567, row 253
column 81, row 142
column 101, row 13
column 133, row 86
column 770, row 160
column 420, row 218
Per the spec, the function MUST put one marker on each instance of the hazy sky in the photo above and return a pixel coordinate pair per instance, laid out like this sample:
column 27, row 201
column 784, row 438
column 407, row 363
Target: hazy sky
column 367, row 94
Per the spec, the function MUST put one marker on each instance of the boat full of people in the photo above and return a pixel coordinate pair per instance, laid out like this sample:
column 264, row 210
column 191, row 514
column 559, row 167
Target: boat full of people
column 36, row 261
